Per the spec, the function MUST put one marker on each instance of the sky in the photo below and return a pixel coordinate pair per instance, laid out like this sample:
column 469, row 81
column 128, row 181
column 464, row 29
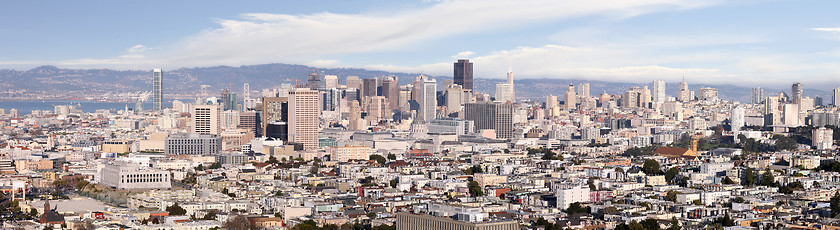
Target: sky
column 769, row 43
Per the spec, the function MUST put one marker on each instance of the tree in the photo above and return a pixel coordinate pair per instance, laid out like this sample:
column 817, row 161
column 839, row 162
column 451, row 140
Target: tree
column 176, row 210
column 199, row 168
column 211, row 215
column 749, row 178
column 394, row 183
column 671, row 174
column 726, row 220
column 675, row 224
column 672, row 195
column 384, row 227
column 272, row 160
column 475, row 189
column 215, row 165
column 650, row 224
column 835, row 204
column 238, row 222
column 650, row 167
column 728, row 180
column 379, row 159
column 635, row 226
column 767, row 178
column 576, row 208
column 392, row 157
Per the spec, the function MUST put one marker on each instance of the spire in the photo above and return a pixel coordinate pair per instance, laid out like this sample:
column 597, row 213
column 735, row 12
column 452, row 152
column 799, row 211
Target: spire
column 510, row 73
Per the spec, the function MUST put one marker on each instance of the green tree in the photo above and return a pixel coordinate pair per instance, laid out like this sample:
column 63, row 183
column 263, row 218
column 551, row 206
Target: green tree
column 671, row 174
column 394, row 183
column 199, row 168
column 379, row 159
column 272, row 160
column 176, row 210
column 475, row 189
column 650, row 167
column 767, row 178
column 650, row 224
column 576, row 208
column 672, row 195
column 727, row 180
column 675, row 224
column 392, row 157
column 635, row 225
column 749, row 178
column 215, row 165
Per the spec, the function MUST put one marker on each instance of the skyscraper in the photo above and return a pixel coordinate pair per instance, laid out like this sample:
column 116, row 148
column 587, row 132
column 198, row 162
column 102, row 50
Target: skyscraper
column 835, row 97
column 757, row 95
column 157, row 91
column 330, row 81
column 736, row 118
column 275, row 109
column 658, row 91
column 206, row 120
column 504, row 92
column 570, row 99
column 510, row 81
column 496, row 116
column 583, row 90
column 354, row 82
column 370, row 87
column 464, row 73
column 304, row 112
column 796, row 93
column 314, row 81
column 391, row 91
column 428, row 99
column 684, row 95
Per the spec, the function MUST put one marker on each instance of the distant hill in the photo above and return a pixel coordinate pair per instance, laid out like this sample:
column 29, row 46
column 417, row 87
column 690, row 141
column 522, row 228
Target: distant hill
column 187, row 81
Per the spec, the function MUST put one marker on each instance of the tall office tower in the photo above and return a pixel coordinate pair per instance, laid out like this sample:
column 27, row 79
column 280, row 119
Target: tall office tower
column 275, row 109
column 757, row 96
column 772, row 116
column 356, row 121
column 405, row 96
column 417, row 88
column 369, row 88
column 157, row 91
column 604, row 99
column 583, row 90
column 496, row 116
column 510, row 81
column 330, row 81
column 223, row 98
column 206, row 119
column 708, row 94
column 736, row 118
column 378, row 109
column 352, row 94
column 552, row 106
column 630, row 98
column 314, row 81
column 464, row 74
column 304, row 113
column 822, row 138
column 331, row 99
column 658, row 91
column 835, row 97
column 391, row 91
column 229, row 119
column 791, row 115
column 684, row 95
column 428, row 100
column 250, row 121
column 504, row 92
column 353, row 82
column 644, row 97
column 570, row 99
column 796, row 93
column 456, row 97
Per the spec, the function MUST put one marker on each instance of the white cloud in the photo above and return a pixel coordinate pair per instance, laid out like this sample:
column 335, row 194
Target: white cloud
column 833, row 29
column 464, row 54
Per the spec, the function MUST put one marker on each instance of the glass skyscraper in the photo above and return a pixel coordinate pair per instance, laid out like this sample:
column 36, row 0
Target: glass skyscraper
column 158, row 90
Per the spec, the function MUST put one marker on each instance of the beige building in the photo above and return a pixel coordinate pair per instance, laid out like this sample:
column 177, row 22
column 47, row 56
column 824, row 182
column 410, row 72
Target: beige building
column 408, row 221
column 33, row 165
column 116, row 146
column 156, row 142
column 484, row 179
column 205, row 119
column 346, row 153
column 304, row 113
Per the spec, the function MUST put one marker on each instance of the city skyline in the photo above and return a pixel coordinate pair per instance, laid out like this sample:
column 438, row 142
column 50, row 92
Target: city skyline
column 659, row 39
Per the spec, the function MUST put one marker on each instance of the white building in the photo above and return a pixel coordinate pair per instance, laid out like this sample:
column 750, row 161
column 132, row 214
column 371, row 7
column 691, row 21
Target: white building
column 823, row 138
column 568, row 194
column 122, row 175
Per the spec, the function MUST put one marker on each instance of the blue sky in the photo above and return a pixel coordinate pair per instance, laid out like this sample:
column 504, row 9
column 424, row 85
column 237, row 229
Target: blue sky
column 743, row 42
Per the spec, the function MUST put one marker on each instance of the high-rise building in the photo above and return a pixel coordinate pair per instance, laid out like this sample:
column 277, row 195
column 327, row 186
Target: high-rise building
column 496, row 116
column 772, row 116
column 206, row 119
column 456, row 97
column 757, row 96
column 157, row 91
column 330, row 81
column 391, row 91
column 304, row 113
column 684, row 95
column 275, row 109
column 356, row 121
column 736, row 118
column 314, row 81
column 796, row 93
column 658, row 91
column 791, row 115
column 583, row 90
column 378, row 108
column 428, row 100
column 571, row 98
column 353, row 82
column 504, row 92
column 835, row 97
column 510, row 81
column 630, row 98
column 823, row 138
column 369, row 88
column 331, row 99
column 708, row 94
column 645, row 97
column 464, row 73
column 250, row 121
